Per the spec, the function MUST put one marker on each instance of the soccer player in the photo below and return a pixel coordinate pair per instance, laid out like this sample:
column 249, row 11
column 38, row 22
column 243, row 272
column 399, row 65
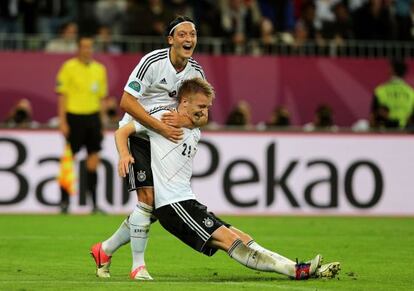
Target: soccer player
column 176, row 206
column 153, row 83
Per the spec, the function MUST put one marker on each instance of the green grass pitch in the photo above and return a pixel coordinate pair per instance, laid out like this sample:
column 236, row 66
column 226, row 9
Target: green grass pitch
column 52, row 253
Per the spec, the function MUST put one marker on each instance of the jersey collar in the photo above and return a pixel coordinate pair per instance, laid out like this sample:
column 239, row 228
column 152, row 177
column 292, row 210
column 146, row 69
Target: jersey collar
column 172, row 66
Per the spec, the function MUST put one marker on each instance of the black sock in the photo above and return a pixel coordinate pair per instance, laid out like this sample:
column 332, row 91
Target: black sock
column 91, row 180
column 64, row 200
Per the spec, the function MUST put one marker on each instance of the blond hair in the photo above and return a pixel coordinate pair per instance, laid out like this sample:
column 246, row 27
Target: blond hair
column 193, row 86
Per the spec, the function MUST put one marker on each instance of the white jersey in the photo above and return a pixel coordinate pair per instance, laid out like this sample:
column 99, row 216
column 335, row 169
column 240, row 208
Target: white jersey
column 155, row 82
column 172, row 164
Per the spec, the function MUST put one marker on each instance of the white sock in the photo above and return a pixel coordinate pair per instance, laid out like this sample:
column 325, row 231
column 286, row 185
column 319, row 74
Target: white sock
column 257, row 260
column 254, row 245
column 140, row 221
column 118, row 239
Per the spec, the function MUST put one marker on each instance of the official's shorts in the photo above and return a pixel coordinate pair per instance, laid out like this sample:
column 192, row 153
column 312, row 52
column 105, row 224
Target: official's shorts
column 85, row 130
column 140, row 173
column 191, row 222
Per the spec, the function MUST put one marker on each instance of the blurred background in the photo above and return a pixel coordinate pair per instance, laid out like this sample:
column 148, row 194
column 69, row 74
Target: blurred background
column 281, row 69
column 288, row 58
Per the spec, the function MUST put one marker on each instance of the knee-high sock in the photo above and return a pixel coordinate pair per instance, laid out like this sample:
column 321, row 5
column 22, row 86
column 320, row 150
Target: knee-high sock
column 257, row 260
column 118, row 239
column 140, row 221
column 91, row 180
column 254, row 245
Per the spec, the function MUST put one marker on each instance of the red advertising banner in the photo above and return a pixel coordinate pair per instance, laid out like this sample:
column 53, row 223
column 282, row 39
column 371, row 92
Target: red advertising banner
column 301, row 84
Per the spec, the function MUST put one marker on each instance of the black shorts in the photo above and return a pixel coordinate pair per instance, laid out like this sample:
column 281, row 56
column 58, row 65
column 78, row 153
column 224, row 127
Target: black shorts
column 140, row 173
column 85, row 130
column 190, row 221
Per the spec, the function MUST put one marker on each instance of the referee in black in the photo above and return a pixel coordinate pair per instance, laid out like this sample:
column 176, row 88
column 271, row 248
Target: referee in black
column 81, row 87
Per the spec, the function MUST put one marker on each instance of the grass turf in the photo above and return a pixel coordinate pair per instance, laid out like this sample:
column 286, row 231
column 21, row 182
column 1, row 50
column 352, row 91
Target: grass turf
column 52, row 253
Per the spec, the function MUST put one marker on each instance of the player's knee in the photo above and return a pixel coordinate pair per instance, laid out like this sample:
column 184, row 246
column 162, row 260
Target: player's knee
column 245, row 237
column 225, row 237
column 232, row 237
column 146, row 195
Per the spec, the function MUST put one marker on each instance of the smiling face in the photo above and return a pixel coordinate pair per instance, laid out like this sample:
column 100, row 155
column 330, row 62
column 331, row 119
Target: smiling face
column 195, row 98
column 183, row 41
column 196, row 106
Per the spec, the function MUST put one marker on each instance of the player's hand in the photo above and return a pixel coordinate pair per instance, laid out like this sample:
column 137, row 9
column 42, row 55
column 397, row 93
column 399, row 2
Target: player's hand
column 172, row 133
column 171, row 118
column 64, row 128
column 175, row 119
column 123, row 165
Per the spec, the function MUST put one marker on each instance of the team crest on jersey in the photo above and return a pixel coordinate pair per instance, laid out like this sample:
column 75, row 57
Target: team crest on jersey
column 141, row 176
column 134, row 85
column 208, row 222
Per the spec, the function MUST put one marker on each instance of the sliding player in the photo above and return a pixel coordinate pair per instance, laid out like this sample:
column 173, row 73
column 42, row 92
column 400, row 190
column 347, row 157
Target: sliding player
column 176, row 206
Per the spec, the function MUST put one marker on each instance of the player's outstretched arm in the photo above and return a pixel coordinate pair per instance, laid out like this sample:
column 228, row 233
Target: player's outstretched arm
column 130, row 104
column 121, row 141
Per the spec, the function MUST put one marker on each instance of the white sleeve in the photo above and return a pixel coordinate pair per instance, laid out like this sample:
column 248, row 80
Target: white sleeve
column 125, row 120
column 197, row 69
column 140, row 78
column 201, row 73
column 139, row 128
